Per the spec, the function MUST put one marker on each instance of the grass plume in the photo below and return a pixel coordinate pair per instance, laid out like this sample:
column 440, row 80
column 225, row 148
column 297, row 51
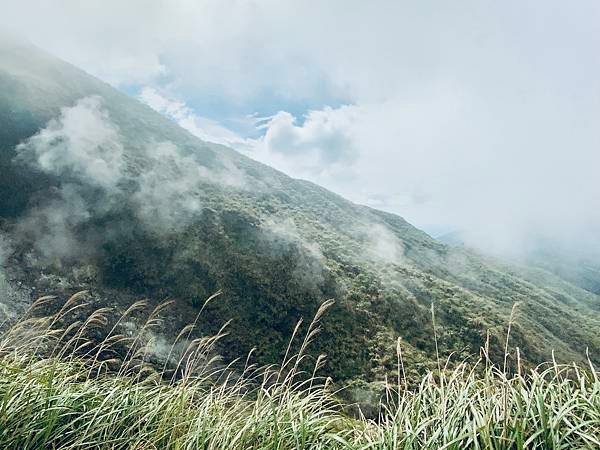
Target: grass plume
column 56, row 391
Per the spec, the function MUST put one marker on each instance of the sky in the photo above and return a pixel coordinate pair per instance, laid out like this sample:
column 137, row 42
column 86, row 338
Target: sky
column 479, row 116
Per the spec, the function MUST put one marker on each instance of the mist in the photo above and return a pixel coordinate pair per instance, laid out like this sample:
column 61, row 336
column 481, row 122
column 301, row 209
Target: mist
column 82, row 142
column 5, row 249
column 477, row 118
column 84, row 149
column 384, row 245
column 280, row 235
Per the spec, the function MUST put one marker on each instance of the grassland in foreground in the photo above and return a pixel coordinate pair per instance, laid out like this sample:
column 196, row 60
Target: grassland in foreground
column 60, row 389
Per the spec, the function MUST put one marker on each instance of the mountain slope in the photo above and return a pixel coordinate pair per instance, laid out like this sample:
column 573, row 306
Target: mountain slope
column 578, row 266
column 100, row 192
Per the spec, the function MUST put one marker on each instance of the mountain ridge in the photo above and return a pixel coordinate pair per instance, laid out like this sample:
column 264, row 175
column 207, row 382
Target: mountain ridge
column 101, row 192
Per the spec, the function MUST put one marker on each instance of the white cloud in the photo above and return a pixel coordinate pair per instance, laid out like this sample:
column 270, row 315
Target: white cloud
column 428, row 157
column 168, row 185
column 206, row 129
column 478, row 115
column 323, row 145
column 82, row 141
column 382, row 245
column 5, row 250
column 85, row 148
column 281, row 234
column 325, row 136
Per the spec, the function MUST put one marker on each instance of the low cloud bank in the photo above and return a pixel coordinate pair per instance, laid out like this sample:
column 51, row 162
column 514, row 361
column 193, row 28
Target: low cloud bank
column 413, row 156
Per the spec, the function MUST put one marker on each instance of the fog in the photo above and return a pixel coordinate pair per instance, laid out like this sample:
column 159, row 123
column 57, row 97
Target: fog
column 381, row 244
column 85, row 148
column 475, row 116
column 82, row 142
column 5, row 250
column 281, row 235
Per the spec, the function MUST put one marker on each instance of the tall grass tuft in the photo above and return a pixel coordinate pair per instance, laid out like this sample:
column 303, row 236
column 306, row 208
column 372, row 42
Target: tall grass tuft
column 61, row 389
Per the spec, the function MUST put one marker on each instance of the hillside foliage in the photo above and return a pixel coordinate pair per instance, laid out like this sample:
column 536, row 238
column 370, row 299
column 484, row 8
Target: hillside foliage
column 99, row 192
column 61, row 390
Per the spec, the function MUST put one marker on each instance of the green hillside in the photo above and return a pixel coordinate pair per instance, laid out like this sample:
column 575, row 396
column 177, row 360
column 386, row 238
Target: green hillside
column 99, row 192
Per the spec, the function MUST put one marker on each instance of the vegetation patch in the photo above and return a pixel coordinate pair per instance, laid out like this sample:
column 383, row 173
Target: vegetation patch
column 61, row 390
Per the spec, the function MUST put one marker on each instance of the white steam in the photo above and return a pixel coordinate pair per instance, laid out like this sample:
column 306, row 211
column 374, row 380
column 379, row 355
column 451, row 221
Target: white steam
column 169, row 185
column 82, row 141
column 310, row 264
column 166, row 195
column 52, row 227
column 5, row 250
column 85, row 148
column 381, row 244
column 13, row 300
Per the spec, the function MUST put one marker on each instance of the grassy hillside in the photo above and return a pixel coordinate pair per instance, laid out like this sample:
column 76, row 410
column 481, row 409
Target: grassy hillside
column 55, row 392
column 99, row 192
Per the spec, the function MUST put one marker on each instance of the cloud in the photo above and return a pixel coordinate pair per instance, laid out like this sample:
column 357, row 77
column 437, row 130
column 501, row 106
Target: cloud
column 322, row 147
column 167, row 194
column 428, row 158
column 435, row 160
column 283, row 234
column 5, row 250
column 84, row 148
column 323, row 143
column 382, row 245
column 52, row 227
column 82, row 142
column 326, row 133
column 205, row 129
column 479, row 116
